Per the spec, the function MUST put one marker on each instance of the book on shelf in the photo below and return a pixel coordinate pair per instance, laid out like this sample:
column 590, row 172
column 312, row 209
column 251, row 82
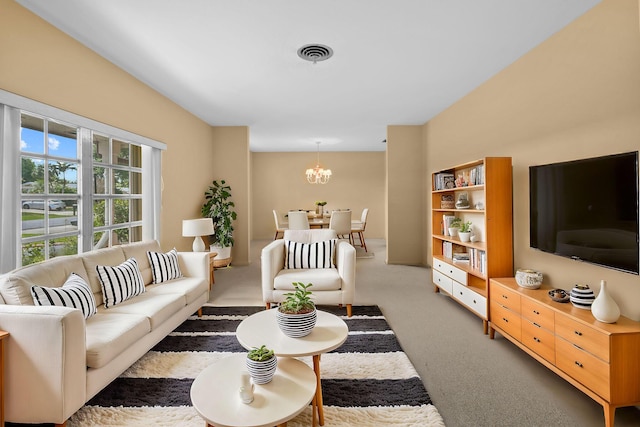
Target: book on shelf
column 461, row 257
column 478, row 260
column 447, row 249
column 447, row 219
column 444, row 181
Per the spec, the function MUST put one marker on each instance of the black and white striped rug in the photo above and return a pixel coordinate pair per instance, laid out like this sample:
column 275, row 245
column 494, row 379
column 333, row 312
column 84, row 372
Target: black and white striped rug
column 368, row 381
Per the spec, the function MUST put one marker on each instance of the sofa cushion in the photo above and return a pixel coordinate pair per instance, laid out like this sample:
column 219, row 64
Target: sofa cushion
column 74, row 293
column 156, row 307
column 309, row 255
column 323, row 279
column 109, row 334
column 121, row 282
column 106, row 256
column 139, row 251
column 191, row 288
column 16, row 285
column 164, row 266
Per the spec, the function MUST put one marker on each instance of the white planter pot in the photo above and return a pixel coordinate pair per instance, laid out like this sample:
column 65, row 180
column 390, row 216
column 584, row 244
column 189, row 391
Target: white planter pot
column 296, row 325
column 262, row 372
column 464, row 237
column 223, row 253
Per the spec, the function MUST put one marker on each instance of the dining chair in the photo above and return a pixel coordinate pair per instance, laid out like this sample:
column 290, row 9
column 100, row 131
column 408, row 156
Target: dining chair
column 341, row 222
column 298, row 220
column 281, row 226
column 357, row 227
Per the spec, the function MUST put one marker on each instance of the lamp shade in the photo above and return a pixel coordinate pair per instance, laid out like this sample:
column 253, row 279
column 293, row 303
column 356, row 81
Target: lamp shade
column 197, row 227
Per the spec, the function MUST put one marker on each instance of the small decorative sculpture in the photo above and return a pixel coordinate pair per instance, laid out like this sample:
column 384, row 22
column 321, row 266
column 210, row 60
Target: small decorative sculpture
column 246, row 388
column 463, row 201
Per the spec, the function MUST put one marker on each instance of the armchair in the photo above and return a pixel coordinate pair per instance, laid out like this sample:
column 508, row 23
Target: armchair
column 330, row 285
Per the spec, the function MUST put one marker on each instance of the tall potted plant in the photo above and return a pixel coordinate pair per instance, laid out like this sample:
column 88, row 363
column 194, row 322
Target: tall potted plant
column 219, row 207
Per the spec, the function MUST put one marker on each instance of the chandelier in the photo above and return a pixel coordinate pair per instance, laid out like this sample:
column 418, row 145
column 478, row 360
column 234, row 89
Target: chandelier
column 318, row 175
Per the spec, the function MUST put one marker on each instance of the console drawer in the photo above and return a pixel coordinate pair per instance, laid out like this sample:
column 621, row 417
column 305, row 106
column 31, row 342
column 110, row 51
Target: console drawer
column 585, row 337
column 537, row 313
column 506, row 320
column 471, row 299
column 505, row 297
column 584, row 367
column 538, row 339
column 447, row 269
column 443, row 282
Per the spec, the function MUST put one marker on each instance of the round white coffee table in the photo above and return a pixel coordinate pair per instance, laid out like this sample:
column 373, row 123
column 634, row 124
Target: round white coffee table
column 215, row 394
column 329, row 333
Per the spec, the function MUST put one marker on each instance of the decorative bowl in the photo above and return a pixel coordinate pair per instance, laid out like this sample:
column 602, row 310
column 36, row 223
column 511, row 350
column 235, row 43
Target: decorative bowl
column 559, row 295
column 529, row 279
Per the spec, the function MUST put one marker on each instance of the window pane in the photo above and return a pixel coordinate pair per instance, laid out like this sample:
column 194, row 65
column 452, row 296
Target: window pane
column 62, row 216
column 136, row 183
column 63, row 246
column 100, row 148
column 136, row 210
column 99, row 214
column 136, row 234
column 32, row 252
column 120, row 236
column 100, row 180
column 32, row 134
column 32, row 218
column 32, row 175
column 120, row 181
column 120, row 211
column 136, row 156
column 62, row 141
column 120, row 153
column 63, row 177
column 100, row 240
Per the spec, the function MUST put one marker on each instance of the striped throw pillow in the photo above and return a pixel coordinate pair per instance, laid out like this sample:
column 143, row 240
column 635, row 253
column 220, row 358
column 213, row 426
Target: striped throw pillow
column 164, row 266
column 310, row 255
column 121, row 282
column 74, row 293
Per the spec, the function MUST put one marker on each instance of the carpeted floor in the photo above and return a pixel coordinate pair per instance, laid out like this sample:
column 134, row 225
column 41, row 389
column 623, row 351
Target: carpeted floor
column 368, row 381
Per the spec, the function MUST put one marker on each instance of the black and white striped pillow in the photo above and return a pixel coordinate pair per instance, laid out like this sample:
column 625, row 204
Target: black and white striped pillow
column 310, row 255
column 121, row 282
column 164, row 266
column 74, row 293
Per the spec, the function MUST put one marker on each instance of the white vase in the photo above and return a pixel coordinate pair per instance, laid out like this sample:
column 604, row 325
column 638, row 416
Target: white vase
column 604, row 308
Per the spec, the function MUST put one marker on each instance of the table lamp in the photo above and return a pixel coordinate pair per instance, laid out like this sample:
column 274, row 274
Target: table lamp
column 197, row 228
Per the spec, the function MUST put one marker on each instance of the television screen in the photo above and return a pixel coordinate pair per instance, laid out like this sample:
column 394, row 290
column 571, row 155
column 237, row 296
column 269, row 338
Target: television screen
column 587, row 210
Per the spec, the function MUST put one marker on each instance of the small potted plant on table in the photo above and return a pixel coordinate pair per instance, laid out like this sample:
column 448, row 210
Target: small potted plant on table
column 261, row 364
column 465, row 231
column 296, row 316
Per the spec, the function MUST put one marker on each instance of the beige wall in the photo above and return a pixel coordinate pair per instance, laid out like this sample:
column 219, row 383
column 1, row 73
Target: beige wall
column 279, row 182
column 576, row 95
column 44, row 64
column 405, row 195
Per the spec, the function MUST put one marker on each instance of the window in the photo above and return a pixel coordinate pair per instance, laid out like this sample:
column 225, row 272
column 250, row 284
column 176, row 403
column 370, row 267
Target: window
column 71, row 184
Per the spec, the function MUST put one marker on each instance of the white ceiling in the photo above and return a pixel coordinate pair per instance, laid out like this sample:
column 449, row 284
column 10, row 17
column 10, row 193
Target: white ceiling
column 234, row 62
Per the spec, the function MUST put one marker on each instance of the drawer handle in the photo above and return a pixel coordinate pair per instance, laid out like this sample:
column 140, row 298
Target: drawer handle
column 578, row 333
column 536, row 312
column 505, row 297
column 475, row 302
column 578, row 364
column 506, row 320
column 536, row 339
column 461, row 293
column 536, row 325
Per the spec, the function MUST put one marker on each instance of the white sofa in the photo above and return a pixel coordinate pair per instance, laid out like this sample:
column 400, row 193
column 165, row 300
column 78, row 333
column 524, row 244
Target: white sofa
column 55, row 360
column 331, row 286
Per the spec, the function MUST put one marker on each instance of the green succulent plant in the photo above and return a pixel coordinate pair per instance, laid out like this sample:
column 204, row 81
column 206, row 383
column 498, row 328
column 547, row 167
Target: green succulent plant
column 260, row 354
column 465, row 227
column 298, row 301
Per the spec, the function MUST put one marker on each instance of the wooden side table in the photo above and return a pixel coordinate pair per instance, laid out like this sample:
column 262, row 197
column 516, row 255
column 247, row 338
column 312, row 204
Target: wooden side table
column 3, row 335
column 212, row 279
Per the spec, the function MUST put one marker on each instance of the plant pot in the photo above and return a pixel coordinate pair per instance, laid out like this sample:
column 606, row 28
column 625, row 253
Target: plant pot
column 296, row 325
column 223, row 259
column 453, row 231
column 464, row 236
column 262, row 372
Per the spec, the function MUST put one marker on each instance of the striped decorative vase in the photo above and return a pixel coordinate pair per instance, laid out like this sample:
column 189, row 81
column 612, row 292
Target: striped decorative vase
column 582, row 296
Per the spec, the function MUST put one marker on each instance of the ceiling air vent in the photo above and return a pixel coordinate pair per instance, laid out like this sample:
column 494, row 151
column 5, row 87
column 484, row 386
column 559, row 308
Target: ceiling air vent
column 315, row 52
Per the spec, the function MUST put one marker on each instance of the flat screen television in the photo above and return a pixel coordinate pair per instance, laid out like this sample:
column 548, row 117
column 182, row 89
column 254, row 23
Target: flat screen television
column 587, row 210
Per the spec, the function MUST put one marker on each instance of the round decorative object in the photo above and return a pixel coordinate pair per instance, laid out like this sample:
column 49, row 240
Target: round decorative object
column 296, row 325
column 582, row 296
column 559, row 295
column 604, row 308
column 262, row 372
column 529, row 279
